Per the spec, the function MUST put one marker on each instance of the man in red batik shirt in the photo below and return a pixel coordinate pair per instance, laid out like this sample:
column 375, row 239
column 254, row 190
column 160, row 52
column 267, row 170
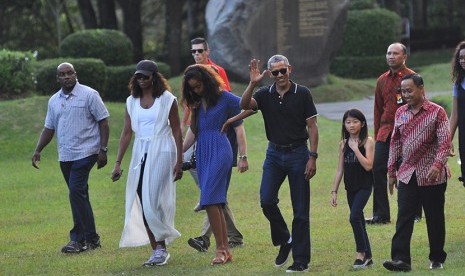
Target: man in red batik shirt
column 420, row 146
column 387, row 99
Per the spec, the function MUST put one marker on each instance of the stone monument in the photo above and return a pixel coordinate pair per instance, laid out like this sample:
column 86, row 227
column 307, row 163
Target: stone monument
column 307, row 32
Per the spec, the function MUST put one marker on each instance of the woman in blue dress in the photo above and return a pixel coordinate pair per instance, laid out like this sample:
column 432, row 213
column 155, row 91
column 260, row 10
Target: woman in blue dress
column 212, row 106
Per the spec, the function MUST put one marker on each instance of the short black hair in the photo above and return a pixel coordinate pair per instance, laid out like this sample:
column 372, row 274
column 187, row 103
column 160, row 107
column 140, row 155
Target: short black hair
column 199, row 40
column 417, row 79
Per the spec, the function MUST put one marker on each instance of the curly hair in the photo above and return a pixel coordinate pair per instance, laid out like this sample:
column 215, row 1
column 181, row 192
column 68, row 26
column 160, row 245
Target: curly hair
column 213, row 86
column 457, row 72
column 159, row 85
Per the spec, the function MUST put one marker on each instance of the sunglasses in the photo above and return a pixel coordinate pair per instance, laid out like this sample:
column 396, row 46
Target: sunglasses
column 193, row 51
column 276, row 72
column 141, row 76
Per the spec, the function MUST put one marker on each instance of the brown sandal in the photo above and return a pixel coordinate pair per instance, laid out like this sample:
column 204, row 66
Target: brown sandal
column 225, row 257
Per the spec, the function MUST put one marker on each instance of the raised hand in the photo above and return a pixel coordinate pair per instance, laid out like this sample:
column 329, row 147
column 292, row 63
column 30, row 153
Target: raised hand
column 254, row 71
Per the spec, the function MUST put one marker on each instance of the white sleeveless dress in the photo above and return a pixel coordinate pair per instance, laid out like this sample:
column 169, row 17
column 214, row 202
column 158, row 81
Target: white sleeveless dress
column 158, row 187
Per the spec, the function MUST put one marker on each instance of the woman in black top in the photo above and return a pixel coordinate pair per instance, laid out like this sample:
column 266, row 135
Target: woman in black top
column 355, row 164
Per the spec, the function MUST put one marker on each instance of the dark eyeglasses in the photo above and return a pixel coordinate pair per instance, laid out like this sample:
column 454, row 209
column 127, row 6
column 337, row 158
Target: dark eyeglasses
column 141, row 76
column 193, row 51
column 276, row 72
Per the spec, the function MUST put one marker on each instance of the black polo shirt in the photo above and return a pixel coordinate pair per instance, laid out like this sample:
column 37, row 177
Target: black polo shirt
column 286, row 118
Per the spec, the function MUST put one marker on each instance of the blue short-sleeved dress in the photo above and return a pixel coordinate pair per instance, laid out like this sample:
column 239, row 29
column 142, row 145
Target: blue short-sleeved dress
column 213, row 152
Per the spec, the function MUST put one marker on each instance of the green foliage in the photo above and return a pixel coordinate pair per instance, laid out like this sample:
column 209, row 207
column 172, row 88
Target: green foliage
column 367, row 35
column 111, row 46
column 369, row 32
column 90, row 72
column 118, row 79
column 361, row 4
column 358, row 67
column 16, row 73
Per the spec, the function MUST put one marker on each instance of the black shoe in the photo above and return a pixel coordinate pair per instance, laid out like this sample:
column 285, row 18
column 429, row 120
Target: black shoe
column 233, row 244
column 436, row 265
column 359, row 264
column 397, row 265
column 377, row 220
column 93, row 245
column 297, row 268
column 74, row 247
column 200, row 244
column 461, row 178
column 283, row 254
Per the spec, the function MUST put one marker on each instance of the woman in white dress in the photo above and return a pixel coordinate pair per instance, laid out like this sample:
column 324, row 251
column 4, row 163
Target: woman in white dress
column 156, row 162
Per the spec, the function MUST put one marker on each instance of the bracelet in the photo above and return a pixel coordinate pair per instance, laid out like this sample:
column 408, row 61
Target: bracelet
column 333, row 192
column 117, row 161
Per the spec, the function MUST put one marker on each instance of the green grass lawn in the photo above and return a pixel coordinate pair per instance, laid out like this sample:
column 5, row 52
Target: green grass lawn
column 35, row 217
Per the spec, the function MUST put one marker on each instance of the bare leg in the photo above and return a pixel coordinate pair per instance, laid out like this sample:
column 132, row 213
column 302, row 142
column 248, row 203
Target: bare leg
column 218, row 224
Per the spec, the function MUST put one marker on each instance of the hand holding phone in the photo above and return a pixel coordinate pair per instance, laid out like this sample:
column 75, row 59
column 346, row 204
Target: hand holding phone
column 115, row 176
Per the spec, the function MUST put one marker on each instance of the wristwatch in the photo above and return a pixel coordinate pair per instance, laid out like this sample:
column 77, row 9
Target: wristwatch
column 104, row 149
column 313, row 154
column 242, row 157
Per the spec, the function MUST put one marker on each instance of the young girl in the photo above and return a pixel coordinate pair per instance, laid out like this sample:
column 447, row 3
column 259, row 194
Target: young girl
column 355, row 164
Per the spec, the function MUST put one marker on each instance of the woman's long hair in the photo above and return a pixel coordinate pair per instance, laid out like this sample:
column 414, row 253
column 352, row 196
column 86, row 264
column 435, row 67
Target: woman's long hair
column 458, row 73
column 212, row 89
column 159, row 85
column 363, row 135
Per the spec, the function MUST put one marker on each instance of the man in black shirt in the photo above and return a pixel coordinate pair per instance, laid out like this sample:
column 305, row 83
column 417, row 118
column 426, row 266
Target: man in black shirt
column 290, row 120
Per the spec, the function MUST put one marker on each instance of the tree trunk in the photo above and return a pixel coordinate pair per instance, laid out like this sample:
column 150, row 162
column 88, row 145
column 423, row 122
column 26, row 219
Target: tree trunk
column 419, row 14
column 173, row 19
column 107, row 14
column 132, row 26
column 88, row 14
column 393, row 5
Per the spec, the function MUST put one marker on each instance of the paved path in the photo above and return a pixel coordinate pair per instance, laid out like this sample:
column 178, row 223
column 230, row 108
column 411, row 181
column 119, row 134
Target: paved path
column 335, row 111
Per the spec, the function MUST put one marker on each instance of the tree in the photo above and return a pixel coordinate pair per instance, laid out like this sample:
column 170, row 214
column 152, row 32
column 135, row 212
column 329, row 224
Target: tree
column 132, row 25
column 107, row 14
column 173, row 27
column 88, row 14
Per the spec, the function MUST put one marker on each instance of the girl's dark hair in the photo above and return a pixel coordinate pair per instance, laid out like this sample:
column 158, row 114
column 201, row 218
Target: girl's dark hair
column 159, row 85
column 458, row 73
column 212, row 89
column 363, row 135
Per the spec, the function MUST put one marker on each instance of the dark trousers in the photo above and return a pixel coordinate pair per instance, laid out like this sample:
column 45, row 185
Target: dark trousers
column 76, row 174
column 279, row 164
column 380, row 193
column 357, row 201
column 409, row 197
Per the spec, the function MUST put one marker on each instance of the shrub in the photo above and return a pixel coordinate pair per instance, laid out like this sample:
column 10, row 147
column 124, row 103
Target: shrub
column 16, row 73
column 361, row 4
column 359, row 67
column 90, row 71
column 118, row 79
column 368, row 33
column 111, row 46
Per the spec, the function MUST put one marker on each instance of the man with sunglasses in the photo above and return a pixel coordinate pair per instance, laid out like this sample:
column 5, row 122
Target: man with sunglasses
column 200, row 53
column 290, row 120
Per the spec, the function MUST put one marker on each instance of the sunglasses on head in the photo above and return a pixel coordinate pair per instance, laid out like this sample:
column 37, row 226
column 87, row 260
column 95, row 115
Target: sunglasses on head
column 193, row 51
column 142, row 76
column 276, row 72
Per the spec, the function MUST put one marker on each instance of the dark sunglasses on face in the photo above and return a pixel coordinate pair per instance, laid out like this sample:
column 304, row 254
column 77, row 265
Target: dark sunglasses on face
column 276, row 72
column 193, row 51
column 141, row 76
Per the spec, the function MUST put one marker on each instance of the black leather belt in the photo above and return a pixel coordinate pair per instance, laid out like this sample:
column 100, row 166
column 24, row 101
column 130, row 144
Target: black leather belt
column 288, row 146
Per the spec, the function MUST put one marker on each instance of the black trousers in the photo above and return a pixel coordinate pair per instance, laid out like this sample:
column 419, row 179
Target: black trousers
column 409, row 198
column 380, row 193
